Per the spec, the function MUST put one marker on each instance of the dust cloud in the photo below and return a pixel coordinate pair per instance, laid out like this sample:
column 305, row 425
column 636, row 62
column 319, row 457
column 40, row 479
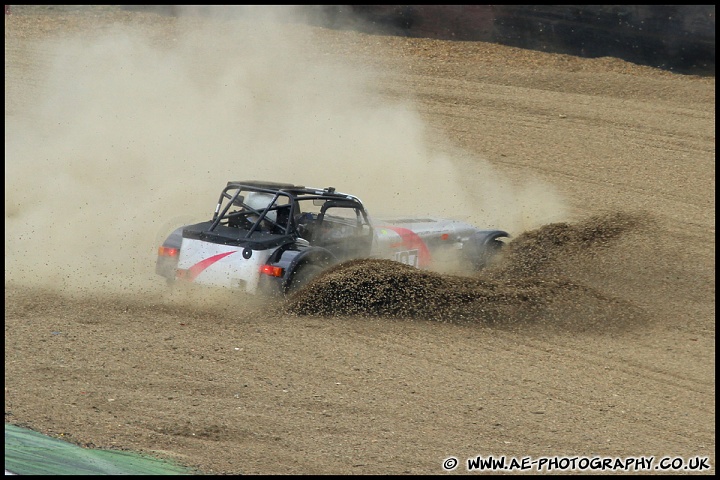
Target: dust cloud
column 126, row 135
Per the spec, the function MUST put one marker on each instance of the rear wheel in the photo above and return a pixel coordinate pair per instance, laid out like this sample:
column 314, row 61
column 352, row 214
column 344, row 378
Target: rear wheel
column 303, row 274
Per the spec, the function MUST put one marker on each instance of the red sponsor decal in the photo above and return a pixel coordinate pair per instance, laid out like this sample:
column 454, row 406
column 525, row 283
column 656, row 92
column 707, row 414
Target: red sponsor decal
column 192, row 272
column 412, row 241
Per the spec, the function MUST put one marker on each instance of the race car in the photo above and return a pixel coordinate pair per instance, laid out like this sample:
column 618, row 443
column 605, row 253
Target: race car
column 272, row 238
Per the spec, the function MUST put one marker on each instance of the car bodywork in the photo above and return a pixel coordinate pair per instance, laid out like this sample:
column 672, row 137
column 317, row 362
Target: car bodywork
column 267, row 237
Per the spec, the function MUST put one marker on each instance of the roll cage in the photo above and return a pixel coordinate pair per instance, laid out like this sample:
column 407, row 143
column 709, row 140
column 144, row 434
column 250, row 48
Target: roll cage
column 291, row 210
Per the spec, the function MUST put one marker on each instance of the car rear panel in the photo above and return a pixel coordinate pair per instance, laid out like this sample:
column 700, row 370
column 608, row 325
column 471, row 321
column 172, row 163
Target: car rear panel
column 220, row 265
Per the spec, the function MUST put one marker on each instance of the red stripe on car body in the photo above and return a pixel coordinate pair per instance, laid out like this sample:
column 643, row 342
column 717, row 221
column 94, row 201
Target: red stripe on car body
column 200, row 267
column 411, row 241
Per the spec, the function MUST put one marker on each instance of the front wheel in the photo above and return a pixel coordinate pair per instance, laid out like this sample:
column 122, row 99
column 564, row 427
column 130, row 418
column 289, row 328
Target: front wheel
column 491, row 253
column 482, row 253
column 302, row 276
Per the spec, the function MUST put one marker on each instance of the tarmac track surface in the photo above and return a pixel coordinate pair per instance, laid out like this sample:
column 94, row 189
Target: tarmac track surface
column 594, row 335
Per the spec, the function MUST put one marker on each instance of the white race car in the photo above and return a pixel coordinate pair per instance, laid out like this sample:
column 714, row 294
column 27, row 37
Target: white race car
column 272, row 238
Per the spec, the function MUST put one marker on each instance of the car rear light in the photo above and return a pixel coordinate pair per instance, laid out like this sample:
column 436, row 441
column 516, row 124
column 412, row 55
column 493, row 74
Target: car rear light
column 272, row 270
column 168, row 252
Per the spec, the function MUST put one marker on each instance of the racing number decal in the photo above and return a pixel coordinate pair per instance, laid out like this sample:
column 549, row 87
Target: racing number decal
column 199, row 267
column 414, row 245
column 408, row 257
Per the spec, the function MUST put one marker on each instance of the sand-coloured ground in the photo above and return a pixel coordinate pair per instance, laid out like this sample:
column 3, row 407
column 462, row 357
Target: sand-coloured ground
column 594, row 335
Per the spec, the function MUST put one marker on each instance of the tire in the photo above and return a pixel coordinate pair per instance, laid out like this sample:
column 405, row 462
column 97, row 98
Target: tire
column 482, row 255
column 491, row 253
column 302, row 276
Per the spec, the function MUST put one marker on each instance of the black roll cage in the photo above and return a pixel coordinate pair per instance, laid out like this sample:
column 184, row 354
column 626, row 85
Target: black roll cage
column 294, row 193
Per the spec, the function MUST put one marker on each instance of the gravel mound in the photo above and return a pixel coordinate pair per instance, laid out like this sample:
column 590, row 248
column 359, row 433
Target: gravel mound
column 526, row 284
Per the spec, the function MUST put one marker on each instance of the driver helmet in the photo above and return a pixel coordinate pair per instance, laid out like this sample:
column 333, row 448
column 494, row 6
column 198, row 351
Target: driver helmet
column 259, row 201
